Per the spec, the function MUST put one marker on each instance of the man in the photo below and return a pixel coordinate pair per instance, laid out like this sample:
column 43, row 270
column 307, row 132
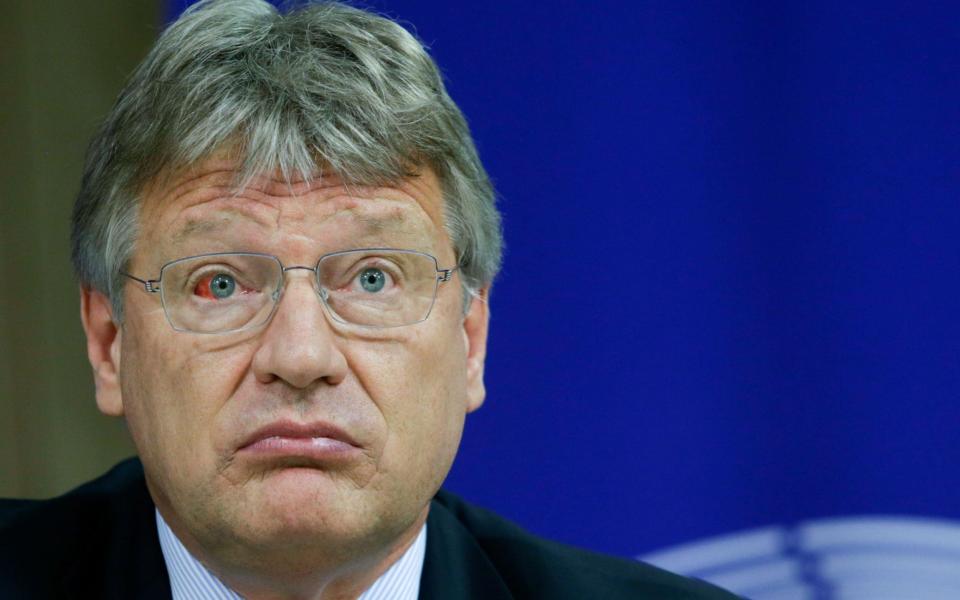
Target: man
column 285, row 242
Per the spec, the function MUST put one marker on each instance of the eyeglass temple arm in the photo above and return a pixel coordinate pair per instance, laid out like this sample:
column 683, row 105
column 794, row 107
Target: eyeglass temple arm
column 444, row 275
column 152, row 286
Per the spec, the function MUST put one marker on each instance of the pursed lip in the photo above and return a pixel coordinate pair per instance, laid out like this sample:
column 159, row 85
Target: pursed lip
column 290, row 437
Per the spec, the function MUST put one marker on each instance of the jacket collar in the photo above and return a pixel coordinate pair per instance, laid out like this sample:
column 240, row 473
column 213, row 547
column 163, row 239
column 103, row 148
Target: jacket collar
column 456, row 567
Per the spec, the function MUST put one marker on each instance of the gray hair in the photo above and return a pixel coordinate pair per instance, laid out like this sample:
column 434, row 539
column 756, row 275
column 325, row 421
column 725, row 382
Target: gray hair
column 323, row 86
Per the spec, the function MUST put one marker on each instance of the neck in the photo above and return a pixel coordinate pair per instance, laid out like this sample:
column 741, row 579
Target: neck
column 332, row 575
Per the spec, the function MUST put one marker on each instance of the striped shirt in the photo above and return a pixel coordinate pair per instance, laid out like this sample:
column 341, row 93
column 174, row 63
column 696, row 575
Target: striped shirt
column 190, row 580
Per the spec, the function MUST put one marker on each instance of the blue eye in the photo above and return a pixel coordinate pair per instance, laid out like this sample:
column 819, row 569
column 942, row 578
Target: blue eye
column 372, row 280
column 222, row 286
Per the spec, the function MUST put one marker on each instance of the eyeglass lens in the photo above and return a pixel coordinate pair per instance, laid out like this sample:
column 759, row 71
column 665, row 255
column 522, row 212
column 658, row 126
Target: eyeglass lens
column 217, row 293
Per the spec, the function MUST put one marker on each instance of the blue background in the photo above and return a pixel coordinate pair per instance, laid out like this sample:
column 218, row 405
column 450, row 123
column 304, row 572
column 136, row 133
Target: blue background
column 730, row 285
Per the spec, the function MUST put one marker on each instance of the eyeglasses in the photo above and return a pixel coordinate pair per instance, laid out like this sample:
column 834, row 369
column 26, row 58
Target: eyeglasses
column 233, row 291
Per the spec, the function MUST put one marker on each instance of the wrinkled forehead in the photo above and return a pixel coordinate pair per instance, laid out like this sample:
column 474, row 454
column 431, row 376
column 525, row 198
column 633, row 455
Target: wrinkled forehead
column 206, row 209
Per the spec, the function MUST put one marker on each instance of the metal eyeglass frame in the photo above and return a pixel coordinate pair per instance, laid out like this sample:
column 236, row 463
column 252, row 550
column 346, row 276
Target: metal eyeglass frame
column 154, row 286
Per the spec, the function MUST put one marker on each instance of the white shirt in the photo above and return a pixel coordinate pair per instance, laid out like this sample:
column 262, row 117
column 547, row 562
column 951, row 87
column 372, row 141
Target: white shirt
column 190, row 580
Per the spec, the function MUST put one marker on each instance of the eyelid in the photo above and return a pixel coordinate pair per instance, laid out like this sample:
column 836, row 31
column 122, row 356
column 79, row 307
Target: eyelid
column 350, row 277
column 372, row 260
column 392, row 269
column 209, row 270
column 212, row 270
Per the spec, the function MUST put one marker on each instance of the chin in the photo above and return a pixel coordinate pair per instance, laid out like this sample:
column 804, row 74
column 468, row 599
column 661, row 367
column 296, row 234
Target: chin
column 306, row 501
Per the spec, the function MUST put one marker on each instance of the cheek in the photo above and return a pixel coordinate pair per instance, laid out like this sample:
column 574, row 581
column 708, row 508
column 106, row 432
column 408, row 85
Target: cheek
column 418, row 384
column 438, row 367
column 173, row 390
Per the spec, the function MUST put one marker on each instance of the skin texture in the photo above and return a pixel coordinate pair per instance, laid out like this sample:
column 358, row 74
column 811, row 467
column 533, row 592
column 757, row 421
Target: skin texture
column 290, row 526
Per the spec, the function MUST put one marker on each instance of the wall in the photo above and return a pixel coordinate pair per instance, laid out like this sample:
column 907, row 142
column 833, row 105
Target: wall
column 61, row 66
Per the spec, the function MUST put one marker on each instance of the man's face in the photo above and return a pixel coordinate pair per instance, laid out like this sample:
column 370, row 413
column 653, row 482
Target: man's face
column 393, row 400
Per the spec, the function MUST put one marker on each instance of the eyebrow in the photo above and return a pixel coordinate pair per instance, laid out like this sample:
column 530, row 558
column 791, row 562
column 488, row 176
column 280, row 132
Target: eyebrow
column 392, row 222
column 202, row 226
column 397, row 221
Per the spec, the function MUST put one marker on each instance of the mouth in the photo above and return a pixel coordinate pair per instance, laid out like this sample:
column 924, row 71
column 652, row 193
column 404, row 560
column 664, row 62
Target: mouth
column 307, row 443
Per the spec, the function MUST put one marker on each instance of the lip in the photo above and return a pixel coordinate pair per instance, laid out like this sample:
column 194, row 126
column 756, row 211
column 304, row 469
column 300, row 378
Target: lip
column 317, row 441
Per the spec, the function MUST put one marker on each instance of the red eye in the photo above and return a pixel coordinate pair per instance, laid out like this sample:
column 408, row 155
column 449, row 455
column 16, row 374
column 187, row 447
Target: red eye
column 218, row 286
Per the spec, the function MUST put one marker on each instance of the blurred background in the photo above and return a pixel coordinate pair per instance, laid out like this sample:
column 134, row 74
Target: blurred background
column 61, row 66
column 725, row 332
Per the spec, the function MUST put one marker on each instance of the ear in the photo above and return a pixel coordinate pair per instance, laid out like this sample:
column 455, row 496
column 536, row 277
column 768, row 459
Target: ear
column 103, row 349
column 475, row 325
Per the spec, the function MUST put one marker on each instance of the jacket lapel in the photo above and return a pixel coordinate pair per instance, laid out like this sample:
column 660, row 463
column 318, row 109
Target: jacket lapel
column 132, row 565
column 455, row 566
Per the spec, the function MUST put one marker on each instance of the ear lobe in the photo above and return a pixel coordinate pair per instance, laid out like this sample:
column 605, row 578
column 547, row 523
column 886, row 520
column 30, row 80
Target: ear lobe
column 475, row 326
column 103, row 349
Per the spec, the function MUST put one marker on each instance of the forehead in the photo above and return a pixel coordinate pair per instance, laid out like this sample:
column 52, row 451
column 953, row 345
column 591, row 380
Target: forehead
column 204, row 203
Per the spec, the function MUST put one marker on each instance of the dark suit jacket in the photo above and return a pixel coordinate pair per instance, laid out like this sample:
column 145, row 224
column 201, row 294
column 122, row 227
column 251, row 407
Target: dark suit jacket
column 100, row 541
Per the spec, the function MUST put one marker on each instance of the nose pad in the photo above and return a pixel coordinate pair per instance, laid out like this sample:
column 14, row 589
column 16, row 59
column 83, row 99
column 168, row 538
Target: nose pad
column 323, row 294
column 277, row 295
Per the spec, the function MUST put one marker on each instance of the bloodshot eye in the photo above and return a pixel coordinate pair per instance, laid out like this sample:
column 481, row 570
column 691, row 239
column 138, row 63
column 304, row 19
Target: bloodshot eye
column 216, row 287
column 372, row 280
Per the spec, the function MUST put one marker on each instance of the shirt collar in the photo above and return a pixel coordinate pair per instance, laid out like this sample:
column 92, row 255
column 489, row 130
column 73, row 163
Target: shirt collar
column 190, row 580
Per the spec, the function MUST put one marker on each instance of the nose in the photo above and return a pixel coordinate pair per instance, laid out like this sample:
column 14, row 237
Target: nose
column 298, row 346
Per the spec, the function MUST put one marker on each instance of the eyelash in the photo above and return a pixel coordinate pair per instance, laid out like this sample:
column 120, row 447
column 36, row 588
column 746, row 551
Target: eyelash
column 388, row 268
column 203, row 276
